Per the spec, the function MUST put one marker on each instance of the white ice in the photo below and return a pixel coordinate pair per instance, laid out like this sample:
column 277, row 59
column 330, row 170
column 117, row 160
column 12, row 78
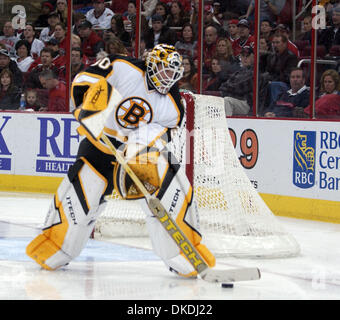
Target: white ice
column 128, row 269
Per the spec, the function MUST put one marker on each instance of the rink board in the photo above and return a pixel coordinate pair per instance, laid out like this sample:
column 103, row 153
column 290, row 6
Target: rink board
column 294, row 165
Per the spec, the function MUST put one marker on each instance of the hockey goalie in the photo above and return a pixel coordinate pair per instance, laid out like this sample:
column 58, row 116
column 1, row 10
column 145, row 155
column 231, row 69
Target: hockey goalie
column 136, row 104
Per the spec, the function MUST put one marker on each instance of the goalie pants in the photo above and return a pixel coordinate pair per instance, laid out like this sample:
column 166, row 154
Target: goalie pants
column 79, row 201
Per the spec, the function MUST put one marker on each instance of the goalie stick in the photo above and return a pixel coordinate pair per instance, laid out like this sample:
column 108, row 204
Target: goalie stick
column 183, row 243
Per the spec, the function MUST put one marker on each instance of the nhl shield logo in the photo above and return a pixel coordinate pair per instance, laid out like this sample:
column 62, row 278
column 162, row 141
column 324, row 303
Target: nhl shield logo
column 304, row 159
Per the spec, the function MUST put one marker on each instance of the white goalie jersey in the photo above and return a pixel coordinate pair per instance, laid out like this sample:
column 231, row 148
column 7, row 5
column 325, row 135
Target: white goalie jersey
column 146, row 107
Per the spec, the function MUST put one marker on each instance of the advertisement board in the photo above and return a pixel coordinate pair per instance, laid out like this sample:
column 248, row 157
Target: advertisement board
column 293, row 158
column 36, row 150
column 294, row 165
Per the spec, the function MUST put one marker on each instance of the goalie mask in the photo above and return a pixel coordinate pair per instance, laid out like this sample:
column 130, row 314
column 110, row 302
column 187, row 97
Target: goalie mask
column 164, row 67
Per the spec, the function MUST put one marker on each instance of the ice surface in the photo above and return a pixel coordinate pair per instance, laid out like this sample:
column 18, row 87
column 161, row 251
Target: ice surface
column 127, row 269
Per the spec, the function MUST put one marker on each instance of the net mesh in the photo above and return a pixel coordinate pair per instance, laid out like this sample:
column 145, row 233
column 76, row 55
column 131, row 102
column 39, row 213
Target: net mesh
column 234, row 219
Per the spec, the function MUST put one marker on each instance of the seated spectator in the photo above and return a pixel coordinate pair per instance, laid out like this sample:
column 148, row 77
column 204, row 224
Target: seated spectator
column 177, row 16
column 59, row 60
column 100, row 16
column 238, row 89
column 36, row 44
column 329, row 83
column 77, row 19
column 77, row 64
column 131, row 27
column 76, row 43
column 61, row 8
column 328, row 102
column 245, row 39
column 60, row 36
column 31, row 100
column 117, row 29
column 161, row 9
column 281, row 62
column 24, row 59
column 282, row 29
column 41, row 21
column 56, row 92
column 214, row 80
column 91, row 42
column 189, row 79
column 265, row 46
column 288, row 102
column 9, row 93
column 130, row 13
column 142, row 48
column 159, row 33
column 266, row 29
column 187, row 45
column 331, row 36
column 185, row 4
column 46, row 56
column 232, row 28
column 306, row 33
column 209, row 47
column 7, row 63
column 58, row 55
column 115, row 46
column 47, row 33
column 9, row 39
column 265, row 49
column 224, row 54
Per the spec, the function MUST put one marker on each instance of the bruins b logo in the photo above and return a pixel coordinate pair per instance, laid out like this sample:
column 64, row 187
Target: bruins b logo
column 133, row 111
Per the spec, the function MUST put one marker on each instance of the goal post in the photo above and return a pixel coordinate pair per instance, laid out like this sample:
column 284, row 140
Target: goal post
column 234, row 219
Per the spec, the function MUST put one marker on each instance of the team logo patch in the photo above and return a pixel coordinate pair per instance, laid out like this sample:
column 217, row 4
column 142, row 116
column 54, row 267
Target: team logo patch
column 304, row 159
column 132, row 112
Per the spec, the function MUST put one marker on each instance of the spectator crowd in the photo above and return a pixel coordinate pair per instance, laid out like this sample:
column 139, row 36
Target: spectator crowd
column 33, row 62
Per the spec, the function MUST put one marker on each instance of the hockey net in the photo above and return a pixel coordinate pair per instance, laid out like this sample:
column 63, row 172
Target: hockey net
column 234, row 219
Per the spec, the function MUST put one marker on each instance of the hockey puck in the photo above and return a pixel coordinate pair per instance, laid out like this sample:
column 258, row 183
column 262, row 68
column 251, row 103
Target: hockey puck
column 227, row 285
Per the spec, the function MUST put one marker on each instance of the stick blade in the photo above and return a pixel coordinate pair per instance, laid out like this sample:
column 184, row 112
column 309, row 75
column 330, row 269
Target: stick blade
column 231, row 275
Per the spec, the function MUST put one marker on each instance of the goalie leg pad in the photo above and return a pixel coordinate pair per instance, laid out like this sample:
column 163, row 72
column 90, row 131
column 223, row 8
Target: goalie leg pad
column 176, row 195
column 70, row 218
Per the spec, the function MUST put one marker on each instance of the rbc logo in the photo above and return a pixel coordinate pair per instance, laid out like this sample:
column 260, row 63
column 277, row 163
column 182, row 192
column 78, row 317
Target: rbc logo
column 304, row 159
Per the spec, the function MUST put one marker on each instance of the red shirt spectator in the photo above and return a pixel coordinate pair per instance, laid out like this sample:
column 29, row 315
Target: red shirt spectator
column 293, row 48
column 56, row 91
column 233, row 30
column 327, row 106
column 209, row 46
column 57, row 98
column 284, row 30
column 91, row 42
column 238, row 44
column 245, row 39
column 59, row 60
